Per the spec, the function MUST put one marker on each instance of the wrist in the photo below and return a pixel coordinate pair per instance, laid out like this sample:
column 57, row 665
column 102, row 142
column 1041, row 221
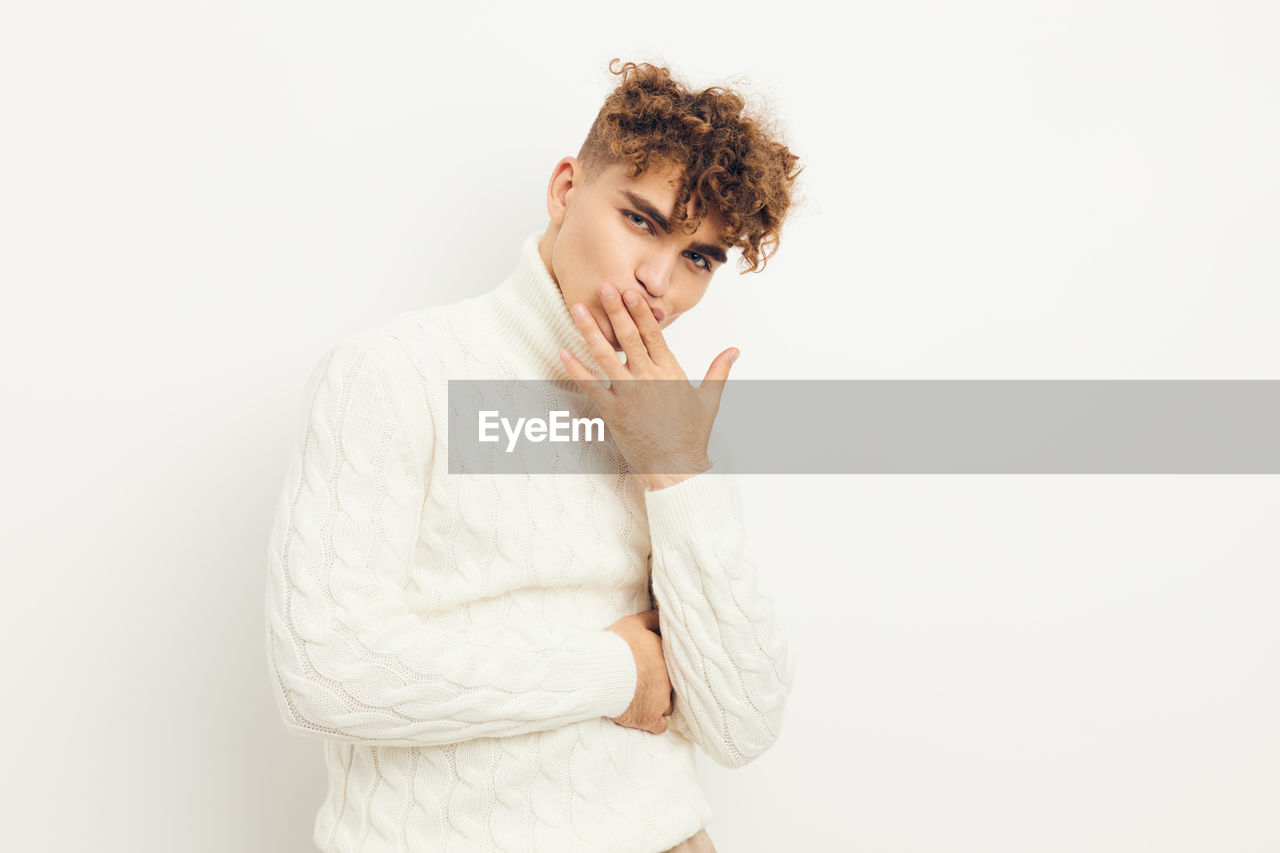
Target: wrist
column 662, row 481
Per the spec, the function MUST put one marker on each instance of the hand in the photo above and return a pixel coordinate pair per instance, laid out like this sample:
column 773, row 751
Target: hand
column 654, row 698
column 662, row 428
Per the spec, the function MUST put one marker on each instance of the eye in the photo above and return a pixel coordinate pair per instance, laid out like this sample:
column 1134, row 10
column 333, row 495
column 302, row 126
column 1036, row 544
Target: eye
column 706, row 264
column 636, row 219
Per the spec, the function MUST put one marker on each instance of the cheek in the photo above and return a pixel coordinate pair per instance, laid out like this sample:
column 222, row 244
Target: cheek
column 690, row 300
column 572, row 269
column 590, row 253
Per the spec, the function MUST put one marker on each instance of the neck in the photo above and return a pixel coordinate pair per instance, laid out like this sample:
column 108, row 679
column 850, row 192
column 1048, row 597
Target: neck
column 535, row 321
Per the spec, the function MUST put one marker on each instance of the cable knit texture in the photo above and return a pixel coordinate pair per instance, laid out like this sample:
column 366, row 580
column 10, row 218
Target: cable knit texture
column 445, row 635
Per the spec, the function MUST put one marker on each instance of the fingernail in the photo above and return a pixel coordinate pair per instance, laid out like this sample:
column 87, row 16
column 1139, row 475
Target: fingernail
column 579, row 311
column 630, row 297
column 734, row 356
column 608, row 291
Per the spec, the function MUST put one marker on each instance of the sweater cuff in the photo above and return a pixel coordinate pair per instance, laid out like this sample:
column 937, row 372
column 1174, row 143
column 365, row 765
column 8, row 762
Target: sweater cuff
column 611, row 676
column 692, row 509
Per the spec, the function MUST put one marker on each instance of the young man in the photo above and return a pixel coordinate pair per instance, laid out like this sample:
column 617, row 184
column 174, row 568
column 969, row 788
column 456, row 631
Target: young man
column 528, row 663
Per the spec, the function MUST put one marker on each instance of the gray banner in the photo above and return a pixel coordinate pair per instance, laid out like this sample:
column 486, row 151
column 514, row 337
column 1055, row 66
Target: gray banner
column 897, row 427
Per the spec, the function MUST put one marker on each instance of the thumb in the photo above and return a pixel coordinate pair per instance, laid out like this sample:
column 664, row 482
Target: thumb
column 718, row 373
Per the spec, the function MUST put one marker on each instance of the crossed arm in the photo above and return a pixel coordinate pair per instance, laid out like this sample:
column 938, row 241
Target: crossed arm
column 354, row 659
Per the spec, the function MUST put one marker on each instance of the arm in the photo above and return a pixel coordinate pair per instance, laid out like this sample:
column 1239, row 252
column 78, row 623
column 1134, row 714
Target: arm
column 730, row 662
column 351, row 659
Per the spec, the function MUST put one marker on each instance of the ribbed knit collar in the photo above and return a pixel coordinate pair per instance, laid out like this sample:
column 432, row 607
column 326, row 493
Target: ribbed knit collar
column 535, row 323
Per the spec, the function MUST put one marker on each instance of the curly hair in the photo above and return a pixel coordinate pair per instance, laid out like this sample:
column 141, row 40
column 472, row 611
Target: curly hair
column 733, row 163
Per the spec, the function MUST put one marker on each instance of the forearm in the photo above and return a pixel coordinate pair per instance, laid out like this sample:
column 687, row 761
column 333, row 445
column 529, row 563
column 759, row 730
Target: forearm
column 730, row 661
column 388, row 677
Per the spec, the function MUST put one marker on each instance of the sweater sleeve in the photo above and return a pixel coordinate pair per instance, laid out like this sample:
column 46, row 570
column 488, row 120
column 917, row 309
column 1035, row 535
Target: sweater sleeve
column 353, row 656
column 731, row 663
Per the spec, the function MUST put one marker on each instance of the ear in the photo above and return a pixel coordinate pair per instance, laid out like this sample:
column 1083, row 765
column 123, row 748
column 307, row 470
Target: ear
column 566, row 175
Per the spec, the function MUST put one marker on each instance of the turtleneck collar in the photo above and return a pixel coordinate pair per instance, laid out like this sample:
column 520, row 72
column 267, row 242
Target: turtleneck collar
column 535, row 322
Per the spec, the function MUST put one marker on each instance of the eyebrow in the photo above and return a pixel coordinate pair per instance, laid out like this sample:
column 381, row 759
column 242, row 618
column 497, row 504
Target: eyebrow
column 648, row 209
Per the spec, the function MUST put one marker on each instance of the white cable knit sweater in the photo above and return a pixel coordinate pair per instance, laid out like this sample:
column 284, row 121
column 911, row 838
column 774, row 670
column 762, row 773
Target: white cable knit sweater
column 445, row 635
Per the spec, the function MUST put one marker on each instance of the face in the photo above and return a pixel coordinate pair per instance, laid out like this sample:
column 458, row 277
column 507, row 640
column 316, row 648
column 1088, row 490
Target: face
column 620, row 230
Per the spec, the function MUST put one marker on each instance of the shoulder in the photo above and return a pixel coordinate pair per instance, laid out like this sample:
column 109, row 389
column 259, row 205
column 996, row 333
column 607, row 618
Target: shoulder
column 421, row 349
column 415, row 353
column 412, row 345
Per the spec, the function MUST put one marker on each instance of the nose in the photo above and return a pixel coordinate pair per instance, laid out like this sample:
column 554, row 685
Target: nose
column 654, row 273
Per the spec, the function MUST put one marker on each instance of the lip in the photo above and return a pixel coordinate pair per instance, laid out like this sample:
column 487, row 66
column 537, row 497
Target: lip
column 657, row 314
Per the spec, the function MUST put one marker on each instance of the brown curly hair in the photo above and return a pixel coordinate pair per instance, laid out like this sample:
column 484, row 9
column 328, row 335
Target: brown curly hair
column 732, row 162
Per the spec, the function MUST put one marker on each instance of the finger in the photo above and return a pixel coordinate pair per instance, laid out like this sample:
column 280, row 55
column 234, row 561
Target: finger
column 660, row 727
column 601, row 350
column 587, row 381
column 624, row 328
column 650, row 620
column 650, row 331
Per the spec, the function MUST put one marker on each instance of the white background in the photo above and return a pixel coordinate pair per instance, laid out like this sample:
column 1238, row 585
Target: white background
column 197, row 199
